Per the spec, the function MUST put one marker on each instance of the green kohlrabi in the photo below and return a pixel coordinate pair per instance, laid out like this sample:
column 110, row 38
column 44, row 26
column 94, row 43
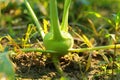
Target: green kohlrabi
column 58, row 39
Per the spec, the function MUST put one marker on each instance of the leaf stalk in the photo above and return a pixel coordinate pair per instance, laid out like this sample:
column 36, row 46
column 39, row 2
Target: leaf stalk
column 55, row 27
column 64, row 24
column 72, row 50
column 40, row 30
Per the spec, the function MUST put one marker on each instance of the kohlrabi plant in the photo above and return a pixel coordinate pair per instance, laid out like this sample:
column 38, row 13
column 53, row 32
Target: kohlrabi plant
column 58, row 39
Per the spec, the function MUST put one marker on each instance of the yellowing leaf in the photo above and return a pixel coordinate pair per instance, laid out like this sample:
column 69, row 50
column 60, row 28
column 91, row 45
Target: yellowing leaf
column 45, row 22
column 87, row 41
column 1, row 48
column 25, row 40
column 89, row 62
column 96, row 14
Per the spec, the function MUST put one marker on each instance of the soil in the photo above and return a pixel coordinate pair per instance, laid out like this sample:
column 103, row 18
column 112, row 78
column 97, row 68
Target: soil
column 37, row 66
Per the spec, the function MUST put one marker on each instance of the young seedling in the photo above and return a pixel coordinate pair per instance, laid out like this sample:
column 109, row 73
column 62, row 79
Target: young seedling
column 58, row 39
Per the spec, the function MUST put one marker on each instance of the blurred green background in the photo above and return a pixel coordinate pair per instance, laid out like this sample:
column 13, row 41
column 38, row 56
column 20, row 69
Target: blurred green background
column 14, row 15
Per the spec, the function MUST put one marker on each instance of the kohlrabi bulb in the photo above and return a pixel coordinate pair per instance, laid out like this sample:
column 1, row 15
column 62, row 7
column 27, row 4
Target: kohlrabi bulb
column 60, row 45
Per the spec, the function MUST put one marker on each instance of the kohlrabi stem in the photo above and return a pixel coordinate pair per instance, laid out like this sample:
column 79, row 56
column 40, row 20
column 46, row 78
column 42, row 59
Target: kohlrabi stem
column 64, row 25
column 54, row 20
column 39, row 28
column 72, row 50
column 57, row 65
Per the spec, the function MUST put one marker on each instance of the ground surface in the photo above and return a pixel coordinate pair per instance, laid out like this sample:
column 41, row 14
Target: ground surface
column 33, row 66
column 39, row 66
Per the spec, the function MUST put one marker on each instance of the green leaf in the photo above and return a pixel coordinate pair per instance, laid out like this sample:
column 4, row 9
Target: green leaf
column 6, row 66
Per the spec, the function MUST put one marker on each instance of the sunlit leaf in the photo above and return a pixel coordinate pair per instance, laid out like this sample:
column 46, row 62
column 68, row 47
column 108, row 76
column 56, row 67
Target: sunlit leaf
column 96, row 14
column 84, row 38
column 87, row 41
column 45, row 22
column 26, row 39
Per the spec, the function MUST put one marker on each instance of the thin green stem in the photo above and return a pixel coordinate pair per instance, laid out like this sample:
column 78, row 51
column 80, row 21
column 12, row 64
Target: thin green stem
column 72, row 50
column 40, row 30
column 37, row 50
column 54, row 20
column 95, row 48
column 64, row 25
